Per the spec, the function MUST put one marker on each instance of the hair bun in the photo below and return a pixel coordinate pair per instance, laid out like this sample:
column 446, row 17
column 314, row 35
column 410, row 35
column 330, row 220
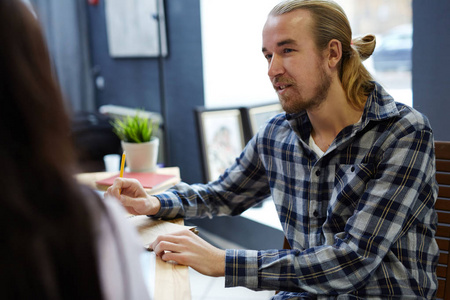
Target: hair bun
column 364, row 45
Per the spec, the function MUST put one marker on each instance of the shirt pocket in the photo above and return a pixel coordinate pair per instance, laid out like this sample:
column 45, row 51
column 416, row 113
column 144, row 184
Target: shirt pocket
column 350, row 183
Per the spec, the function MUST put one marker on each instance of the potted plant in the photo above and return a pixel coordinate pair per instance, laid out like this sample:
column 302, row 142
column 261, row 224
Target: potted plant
column 138, row 141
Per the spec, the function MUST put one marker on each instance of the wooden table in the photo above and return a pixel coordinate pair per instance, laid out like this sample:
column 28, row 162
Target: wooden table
column 171, row 280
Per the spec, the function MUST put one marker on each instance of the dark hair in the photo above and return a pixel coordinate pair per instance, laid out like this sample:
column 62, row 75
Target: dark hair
column 48, row 248
column 330, row 22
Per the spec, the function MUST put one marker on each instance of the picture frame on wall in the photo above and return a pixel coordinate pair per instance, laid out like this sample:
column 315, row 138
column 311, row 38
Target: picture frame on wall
column 221, row 136
column 136, row 28
column 256, row 116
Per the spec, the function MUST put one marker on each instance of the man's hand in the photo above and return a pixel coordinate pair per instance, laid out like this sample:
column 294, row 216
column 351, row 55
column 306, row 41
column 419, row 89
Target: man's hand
column 186, row 248
column 133, row 197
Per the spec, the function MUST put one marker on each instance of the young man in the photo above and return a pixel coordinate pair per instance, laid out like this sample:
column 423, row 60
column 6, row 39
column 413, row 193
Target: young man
column 351, row 173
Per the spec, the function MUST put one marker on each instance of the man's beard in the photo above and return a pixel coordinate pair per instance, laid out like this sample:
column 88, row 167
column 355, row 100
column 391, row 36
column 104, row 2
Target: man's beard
column 297, row 103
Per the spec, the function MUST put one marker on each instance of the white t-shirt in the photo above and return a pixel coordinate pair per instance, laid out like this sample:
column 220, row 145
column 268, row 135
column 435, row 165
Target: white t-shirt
column 315, row 148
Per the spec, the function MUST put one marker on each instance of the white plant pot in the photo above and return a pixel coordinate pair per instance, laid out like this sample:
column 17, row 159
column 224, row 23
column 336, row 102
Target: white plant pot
column 141, row 157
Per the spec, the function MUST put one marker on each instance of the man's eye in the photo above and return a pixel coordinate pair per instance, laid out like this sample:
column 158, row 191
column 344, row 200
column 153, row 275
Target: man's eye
column 287, row 50
column 268, row 56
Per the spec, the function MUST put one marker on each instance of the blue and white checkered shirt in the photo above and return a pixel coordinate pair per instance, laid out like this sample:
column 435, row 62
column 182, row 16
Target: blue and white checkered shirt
column 360, row 219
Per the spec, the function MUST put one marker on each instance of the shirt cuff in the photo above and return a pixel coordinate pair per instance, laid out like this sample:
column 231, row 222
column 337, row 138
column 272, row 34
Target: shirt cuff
column 170, row 205
column 241, row 268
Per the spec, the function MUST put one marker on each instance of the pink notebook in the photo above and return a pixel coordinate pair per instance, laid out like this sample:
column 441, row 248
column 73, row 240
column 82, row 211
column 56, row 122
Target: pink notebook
column 148, row 180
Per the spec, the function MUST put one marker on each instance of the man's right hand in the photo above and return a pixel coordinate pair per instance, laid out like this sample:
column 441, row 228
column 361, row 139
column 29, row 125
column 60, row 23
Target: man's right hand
column 133, row 197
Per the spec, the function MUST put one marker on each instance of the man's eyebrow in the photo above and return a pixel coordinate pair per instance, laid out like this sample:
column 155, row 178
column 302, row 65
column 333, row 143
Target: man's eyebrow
column 282, row 43
column 286, row 42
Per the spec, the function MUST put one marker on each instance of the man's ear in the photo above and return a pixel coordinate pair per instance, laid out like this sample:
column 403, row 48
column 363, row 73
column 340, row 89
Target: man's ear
column 334, row 53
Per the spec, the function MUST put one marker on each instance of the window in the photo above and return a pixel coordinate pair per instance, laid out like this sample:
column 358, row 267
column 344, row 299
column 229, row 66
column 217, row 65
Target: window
column 391, row 22
column 235, row 71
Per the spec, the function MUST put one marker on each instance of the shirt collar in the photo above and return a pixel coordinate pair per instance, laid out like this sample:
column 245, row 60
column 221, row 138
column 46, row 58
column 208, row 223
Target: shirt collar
column 379, row 106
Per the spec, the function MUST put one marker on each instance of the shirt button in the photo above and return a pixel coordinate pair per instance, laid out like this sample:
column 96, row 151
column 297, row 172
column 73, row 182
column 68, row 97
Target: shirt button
column 317, row 173
column 316, row 213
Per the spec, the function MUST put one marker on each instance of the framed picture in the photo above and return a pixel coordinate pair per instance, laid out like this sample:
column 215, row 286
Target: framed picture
column 136, row 28
column 257, row 116
column 221, row 139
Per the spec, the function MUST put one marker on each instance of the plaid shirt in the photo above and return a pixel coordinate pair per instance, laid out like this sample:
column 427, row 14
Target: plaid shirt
column 360, row 219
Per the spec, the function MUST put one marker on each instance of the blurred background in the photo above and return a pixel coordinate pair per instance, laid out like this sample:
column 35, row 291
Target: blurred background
column 207, row 53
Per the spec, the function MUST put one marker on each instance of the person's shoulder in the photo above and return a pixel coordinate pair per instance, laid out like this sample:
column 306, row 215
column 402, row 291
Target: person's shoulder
column 101, row 208
column 273, row 126
column 384, row 106
column 413, row 117
column 92, row 198
column 279, row 118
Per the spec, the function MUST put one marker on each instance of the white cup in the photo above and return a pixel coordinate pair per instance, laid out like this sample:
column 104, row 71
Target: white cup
column 112, row 162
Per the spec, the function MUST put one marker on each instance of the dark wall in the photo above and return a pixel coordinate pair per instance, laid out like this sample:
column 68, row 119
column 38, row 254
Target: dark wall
column 431, row 63
column 135, row 82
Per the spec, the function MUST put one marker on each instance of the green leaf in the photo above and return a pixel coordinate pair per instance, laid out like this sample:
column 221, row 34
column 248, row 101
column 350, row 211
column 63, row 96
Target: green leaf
column 134, row 129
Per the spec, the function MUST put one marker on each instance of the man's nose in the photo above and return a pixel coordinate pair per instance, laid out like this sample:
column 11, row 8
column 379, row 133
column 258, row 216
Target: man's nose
column 275, row 66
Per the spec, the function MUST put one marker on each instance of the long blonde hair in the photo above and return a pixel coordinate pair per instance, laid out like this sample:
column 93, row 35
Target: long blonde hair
column 330, row 22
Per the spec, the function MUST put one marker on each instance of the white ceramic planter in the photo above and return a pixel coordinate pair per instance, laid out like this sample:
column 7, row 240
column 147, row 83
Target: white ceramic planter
column 141, row 157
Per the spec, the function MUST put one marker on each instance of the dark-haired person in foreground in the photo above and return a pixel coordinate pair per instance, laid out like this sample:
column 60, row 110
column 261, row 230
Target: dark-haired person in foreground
column 58, row 240
column 351, row 172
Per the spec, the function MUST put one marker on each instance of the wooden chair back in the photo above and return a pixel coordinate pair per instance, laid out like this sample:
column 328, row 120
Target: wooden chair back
column 443, row 210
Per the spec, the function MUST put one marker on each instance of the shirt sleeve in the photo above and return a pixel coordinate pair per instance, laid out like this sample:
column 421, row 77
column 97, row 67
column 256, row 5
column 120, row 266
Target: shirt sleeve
column 390, row 221
column 241, row 186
